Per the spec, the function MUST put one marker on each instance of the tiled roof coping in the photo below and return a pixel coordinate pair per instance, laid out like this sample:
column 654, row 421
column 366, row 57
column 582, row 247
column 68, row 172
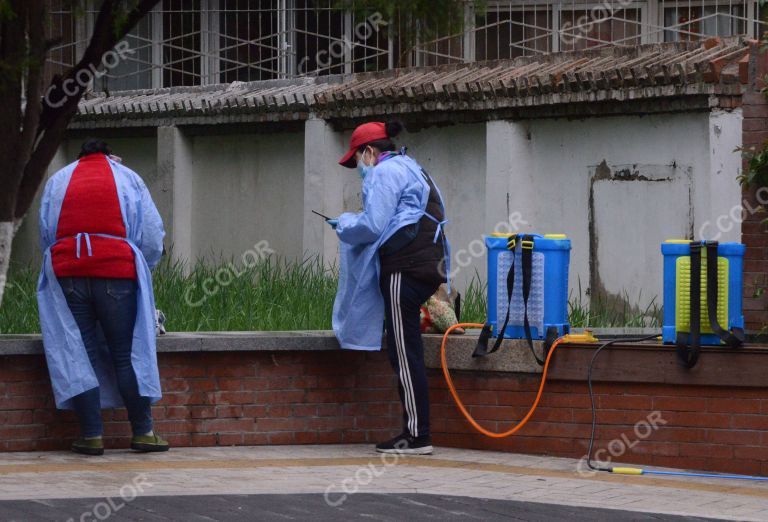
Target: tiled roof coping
column 619, row 74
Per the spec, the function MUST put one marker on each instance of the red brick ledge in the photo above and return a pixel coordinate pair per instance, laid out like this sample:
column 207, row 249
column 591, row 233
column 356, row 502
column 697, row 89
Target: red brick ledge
column 630, row 363
column 716, row 414
column 637, row 363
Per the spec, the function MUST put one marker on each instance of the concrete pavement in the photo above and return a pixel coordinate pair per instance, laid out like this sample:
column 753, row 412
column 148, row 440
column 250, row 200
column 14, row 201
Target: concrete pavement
column 335, row 481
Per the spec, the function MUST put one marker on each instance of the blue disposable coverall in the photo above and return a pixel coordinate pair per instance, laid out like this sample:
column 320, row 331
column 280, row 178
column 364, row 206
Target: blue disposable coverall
column 70, row 369
column 395, row 194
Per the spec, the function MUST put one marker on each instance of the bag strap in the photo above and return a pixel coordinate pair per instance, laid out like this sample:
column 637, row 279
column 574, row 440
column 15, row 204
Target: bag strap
column 735, row 337
column 552, row 334
column 689, row 344
column 527, row 259
column 481, row 350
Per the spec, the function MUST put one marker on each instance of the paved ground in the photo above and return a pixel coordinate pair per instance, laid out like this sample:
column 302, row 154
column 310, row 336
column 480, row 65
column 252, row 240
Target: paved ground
column 392, row 507
column 340, row 482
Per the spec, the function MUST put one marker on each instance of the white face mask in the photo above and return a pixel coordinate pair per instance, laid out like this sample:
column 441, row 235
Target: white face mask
column 362, row 167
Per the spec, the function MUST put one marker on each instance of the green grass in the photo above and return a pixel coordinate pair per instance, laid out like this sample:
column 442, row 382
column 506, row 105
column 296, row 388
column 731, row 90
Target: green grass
column 270, row 295
column 18, row 312
column 474, row 302
column 276, row 294
column 619, row 313
column 273, row 294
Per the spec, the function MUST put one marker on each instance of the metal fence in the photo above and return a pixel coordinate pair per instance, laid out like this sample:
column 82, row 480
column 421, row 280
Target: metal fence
column 200, row 42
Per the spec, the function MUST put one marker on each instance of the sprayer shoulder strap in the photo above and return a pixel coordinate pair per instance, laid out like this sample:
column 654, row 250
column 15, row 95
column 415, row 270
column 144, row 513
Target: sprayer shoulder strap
column 735, row 337
column 481, row 350
column 526, row 258
column 689, row 343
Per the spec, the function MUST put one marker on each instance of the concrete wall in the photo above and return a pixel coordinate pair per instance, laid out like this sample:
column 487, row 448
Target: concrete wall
column 247, row 188
column 617, row 186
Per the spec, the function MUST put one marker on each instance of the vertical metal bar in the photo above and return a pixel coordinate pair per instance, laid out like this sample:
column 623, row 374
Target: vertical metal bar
column 525, row 27
column 518, row 20
column 348, row 52
column 556, row 26
column 750, row 13
column 703, row 22
column 486, row 30
column 418, row 58
column 176, row 55
column 214, row 42
column 290, row 38
column 156, row 18
column 306, row 36
column 649, row 16
column 469, row 33
column 282, row 41
column 266, row 42
column 177, row 34
column 258, row 72
column 205, row 31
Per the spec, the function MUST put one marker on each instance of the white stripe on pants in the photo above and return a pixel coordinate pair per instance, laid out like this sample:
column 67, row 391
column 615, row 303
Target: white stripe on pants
column 405, row 373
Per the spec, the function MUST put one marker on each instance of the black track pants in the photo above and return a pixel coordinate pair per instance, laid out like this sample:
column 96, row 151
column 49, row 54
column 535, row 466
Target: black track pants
column 404, row 296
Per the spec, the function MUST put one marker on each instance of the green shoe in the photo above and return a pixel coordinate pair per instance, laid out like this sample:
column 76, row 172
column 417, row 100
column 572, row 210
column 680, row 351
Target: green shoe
column 149, row 443
column 88, row 446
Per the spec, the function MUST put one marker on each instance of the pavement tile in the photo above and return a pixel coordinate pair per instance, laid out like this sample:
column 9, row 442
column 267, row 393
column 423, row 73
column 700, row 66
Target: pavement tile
column 314, row 469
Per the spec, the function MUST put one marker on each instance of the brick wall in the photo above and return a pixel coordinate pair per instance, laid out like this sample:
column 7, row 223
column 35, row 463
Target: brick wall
column 704, row 428
column 754, row 233
column 256, row 398
column 221, row 398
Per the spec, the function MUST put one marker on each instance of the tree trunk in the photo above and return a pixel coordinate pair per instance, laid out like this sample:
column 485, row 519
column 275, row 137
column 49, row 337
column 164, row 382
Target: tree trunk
column 6, row 239
column 110, row 27
column 29, row 139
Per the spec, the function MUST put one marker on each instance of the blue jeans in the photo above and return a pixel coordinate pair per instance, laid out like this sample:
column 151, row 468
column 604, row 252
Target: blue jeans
column 110, row 304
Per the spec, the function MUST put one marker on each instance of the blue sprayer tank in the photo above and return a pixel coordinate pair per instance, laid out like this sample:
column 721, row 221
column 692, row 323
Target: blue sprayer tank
column 548, row 300
column 676, row 254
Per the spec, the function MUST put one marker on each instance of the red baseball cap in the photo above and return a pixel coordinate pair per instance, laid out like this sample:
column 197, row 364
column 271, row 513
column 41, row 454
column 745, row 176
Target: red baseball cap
column 365, row 133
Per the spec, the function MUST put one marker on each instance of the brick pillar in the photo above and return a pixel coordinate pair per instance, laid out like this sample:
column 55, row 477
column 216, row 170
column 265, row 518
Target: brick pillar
column 752, row 70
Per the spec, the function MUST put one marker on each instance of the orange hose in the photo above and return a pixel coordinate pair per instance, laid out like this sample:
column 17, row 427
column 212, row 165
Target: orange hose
column 460, row 404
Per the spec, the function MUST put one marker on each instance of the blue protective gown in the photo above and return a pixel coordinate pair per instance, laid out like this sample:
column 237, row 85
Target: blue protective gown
column 395, row 194
column 68, row 363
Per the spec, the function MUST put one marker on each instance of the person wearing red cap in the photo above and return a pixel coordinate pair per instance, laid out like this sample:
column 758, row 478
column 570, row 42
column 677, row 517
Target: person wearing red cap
column 393, row 257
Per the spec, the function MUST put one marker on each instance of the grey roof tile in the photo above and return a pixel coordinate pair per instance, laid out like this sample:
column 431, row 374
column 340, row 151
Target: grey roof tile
column 530, row 81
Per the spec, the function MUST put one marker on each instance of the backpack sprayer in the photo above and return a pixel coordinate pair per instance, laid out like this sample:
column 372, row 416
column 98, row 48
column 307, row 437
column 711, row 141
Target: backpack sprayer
column 695, row 307
column 528, row 285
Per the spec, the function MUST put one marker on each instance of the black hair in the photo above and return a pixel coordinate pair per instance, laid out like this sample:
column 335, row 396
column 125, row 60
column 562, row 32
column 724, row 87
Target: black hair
column 392, row 128
column 94, row 146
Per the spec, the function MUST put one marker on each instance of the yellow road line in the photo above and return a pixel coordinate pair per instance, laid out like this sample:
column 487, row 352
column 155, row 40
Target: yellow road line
column 147, row 465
